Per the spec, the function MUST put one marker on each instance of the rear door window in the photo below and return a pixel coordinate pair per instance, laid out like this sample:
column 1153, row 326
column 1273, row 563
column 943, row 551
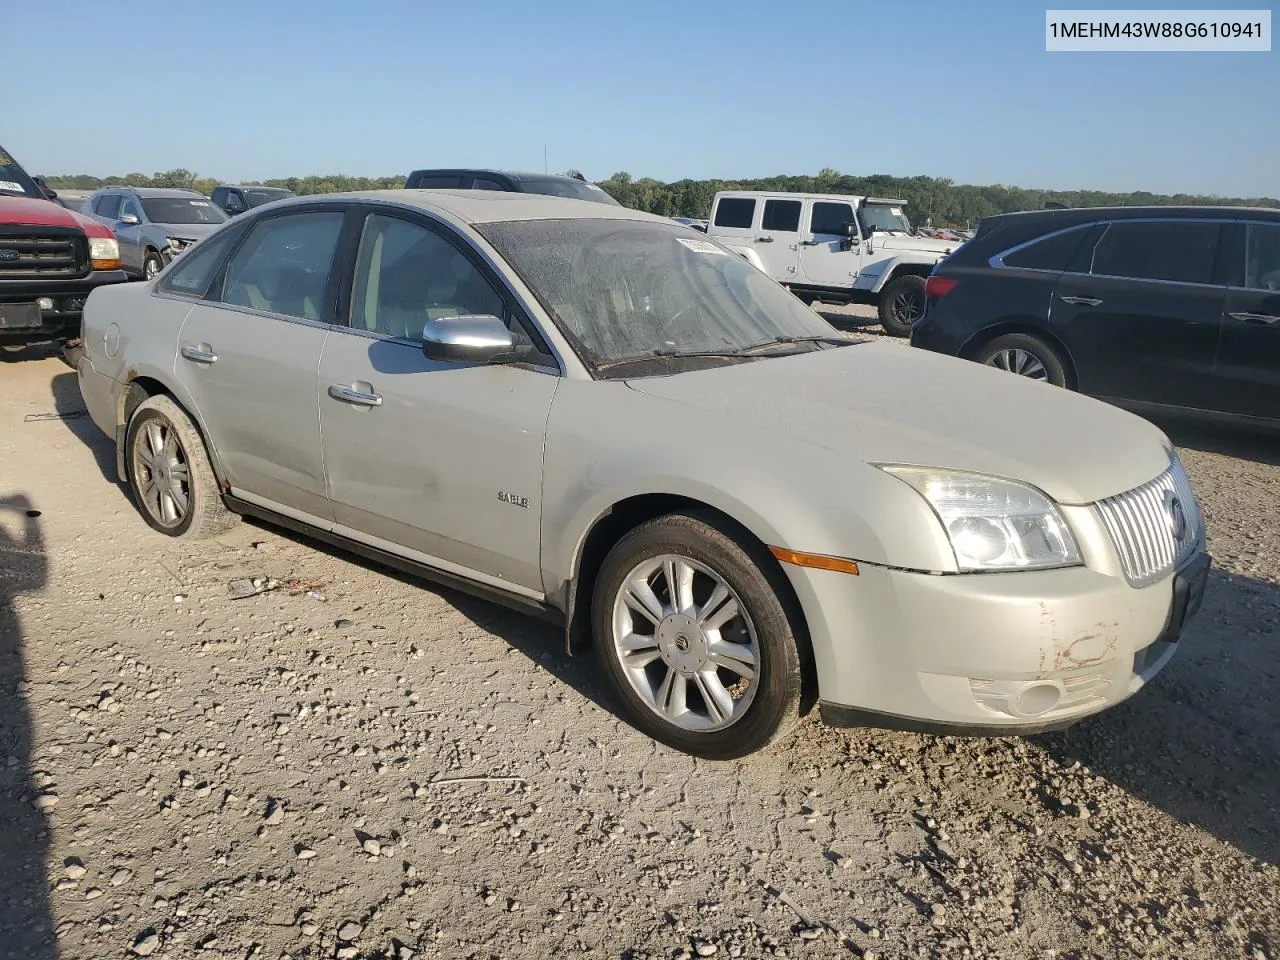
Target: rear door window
column 1262, row 256
column 781, row 215
column 735, row 212
column 108, row 206
column 283, row 266
column 1178, row 251
column 436, row 183
column 194, row 271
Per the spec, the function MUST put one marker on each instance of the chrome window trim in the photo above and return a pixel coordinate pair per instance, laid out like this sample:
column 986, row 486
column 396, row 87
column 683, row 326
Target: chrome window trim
column 997, row 261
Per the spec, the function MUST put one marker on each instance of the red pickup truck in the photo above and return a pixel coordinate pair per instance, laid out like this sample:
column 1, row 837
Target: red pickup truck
column 51, row 259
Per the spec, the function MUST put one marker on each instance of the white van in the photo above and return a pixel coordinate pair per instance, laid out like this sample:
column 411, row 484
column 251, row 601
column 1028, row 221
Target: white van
column 833, row 248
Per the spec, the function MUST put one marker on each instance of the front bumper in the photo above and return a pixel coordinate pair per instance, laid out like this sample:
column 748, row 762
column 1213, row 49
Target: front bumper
column 68, row 297
column 990, row 654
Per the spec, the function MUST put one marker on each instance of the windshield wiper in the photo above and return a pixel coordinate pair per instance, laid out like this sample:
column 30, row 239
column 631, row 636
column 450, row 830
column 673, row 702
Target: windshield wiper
column 732, row 353
column 788, row 341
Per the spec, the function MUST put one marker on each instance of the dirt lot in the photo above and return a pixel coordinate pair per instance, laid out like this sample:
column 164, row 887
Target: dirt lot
column 356, row 765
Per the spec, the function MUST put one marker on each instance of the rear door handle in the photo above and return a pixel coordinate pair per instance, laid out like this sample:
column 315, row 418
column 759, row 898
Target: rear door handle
column 351, row 395
column 1081, row 301
column 1254, row 317
column 201, row 354
column 764, row 239
column 810, row 243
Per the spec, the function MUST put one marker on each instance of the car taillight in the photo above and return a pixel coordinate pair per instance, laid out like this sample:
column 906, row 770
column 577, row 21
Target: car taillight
column 937, row 287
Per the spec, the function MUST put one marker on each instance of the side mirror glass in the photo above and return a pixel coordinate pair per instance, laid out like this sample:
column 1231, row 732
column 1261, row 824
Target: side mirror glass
column 469, row 339
column 129, row 219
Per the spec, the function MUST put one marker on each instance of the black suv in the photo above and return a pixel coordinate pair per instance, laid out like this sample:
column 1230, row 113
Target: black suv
column 548, row 183
column 1147, row 307
column 237, row 198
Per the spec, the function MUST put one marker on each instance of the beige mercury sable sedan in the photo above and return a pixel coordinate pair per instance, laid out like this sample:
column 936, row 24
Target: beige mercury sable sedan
column 594, row 414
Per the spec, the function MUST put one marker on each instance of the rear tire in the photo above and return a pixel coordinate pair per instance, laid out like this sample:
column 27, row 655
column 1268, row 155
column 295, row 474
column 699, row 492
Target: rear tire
column 901, row 305
column 1025, row 355
column 169, row 473
column 716, row 672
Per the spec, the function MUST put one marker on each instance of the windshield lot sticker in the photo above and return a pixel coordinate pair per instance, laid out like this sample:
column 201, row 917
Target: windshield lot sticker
column 701, row 246
column 10, row 185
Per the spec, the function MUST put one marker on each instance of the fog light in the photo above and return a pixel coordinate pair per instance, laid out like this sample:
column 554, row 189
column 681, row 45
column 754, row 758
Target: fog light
column 75, row 303
column 1037, row 699
column 45, row 303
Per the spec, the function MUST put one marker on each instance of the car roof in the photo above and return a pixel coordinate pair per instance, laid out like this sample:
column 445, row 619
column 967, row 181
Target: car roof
column 493, row 206
column 802, row 195
column 254, row 186
column 149, row 193
column 1051, row 219
column 490, row 171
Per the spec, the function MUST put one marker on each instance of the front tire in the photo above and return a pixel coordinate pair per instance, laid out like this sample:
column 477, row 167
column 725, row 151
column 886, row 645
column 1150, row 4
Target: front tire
column 152, row 264
column 694, row 639
column 901, row 305
column 170, row 475
column 1025, row 355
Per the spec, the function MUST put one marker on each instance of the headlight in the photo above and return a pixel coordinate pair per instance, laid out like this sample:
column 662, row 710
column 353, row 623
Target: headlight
column 104, row 253
column 176, row 245
column 994, row 524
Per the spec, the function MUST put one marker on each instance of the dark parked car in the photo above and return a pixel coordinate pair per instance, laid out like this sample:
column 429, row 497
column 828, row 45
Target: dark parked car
column 1150, row 308
column 237, row 198
column 549, row 183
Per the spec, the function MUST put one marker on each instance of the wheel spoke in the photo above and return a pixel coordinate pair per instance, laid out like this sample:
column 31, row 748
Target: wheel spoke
column 168, row 508
column 671, row 696
column 722, row 615
column 179, row 498
column 679, row 577
column 736, row 657
column 717, row 699
column 179, row 473
column 155, row 439
column 638, row 651
column 718, row 596
column 639, row 596
column 171, row 447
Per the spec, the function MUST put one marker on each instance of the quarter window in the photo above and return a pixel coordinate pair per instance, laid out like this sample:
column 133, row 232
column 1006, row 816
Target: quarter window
column 830, row 219
column 1180, row 251
column 195, row 269
column 484, row 183
column 1053, row 252
column 283, row 266
column 781, row 215
column 130, row 206
column 1262, row 257
column 735, row 212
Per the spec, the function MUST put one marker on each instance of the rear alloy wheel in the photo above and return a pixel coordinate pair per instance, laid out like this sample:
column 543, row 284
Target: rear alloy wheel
column 694, row 640
column 901, row 305
column 152, row 265
column 170, row 475
column 1025, row 355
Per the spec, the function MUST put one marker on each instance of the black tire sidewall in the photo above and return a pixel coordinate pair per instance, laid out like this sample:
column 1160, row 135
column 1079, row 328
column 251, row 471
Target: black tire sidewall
column 1054, row 367
column 140, row 418
column 775, row 706
column 892, row 324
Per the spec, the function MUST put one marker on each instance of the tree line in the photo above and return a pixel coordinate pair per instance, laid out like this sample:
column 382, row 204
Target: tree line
column 935, row 200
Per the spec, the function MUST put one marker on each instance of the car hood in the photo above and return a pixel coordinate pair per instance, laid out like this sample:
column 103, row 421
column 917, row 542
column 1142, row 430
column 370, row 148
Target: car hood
column 897, row 241
column 28, row 211
column 189, row 231
column 881, row 403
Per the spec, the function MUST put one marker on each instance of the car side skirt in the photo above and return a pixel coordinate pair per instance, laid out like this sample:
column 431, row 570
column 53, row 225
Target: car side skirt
column 396, row 562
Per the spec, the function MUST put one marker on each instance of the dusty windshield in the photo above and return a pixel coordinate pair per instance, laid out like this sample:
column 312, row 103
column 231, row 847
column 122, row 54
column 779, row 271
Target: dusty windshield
column 885, row 217
column 14, row 181
column 182, row 210
column 627, row 290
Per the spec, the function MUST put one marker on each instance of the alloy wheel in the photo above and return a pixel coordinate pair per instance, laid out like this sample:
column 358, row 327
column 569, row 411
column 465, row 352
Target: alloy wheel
column 161, row 472
column 1022, row 362
column 686, row 643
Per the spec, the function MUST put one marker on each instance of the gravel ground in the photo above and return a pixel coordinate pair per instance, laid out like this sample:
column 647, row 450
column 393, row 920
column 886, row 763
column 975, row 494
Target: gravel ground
column 355, row 765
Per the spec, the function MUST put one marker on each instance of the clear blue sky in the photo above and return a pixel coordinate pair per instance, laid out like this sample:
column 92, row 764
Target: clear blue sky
column 695, row 88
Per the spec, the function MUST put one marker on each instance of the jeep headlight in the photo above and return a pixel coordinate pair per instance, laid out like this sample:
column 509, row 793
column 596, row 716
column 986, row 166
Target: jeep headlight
column 993, row 524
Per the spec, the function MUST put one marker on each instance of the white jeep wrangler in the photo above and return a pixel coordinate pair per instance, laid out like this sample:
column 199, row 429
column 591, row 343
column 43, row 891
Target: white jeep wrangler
column 833, row 248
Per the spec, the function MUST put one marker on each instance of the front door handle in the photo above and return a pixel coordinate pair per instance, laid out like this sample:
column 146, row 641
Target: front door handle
column 810, row 243
column 351, row 395
column 1254, row 317
column 1081, row 301
column 764, row 239
column 200, row 354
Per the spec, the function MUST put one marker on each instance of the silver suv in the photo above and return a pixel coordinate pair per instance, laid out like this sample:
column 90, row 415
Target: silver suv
column 153, row 225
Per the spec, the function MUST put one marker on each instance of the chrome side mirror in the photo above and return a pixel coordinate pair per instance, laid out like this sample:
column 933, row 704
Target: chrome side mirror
column 480, row 338
column 128, row 219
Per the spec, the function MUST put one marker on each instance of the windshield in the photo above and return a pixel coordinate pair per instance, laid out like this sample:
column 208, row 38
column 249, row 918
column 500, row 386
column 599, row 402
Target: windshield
column 256, row 198
column 626, row 289
column 574, row 189
column 884, row 217
column 14, row 180
column 182, row 210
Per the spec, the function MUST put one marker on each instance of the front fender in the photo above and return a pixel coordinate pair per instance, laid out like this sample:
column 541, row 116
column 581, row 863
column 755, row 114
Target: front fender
column 874, row 276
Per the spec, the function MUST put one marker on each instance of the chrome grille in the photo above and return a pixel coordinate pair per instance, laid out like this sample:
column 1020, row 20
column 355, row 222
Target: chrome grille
column 52, row 254
column 1141, row 523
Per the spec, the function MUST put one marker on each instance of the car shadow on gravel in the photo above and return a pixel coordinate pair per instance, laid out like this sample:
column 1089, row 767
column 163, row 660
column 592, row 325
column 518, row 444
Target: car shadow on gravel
column 1244, row 443
column 26, row 918
column 1202, row 741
